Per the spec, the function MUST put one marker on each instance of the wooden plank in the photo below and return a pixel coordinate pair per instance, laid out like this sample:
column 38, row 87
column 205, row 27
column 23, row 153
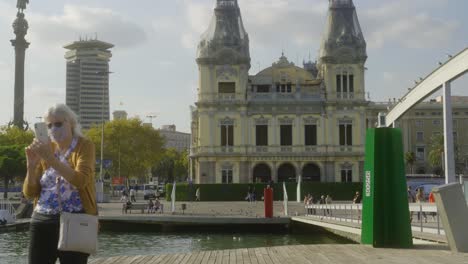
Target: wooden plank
column 225, row 257
column 185, row 259
column 206, row 257
column 251, row 255
column 239, row 257
column 273, row 256
column 232, row 257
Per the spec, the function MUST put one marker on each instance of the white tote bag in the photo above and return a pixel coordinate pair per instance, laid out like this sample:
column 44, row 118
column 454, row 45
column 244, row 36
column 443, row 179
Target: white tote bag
column 78, row 232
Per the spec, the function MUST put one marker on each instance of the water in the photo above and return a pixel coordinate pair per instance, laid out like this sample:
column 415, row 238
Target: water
column 14, row 245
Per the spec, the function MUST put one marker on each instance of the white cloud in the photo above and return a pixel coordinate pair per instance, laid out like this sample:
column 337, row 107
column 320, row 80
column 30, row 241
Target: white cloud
column 388, row 76
column 75, row 21
column 403, row 23
column 6, row 72
column 270, row 23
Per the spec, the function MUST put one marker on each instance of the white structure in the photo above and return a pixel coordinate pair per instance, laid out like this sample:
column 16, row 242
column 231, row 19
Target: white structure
column 439, row 78
column 174, row 139
column 87, row 92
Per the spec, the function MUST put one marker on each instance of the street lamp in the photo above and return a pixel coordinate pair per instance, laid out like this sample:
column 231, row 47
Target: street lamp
column 100, row 186
column 151, row 118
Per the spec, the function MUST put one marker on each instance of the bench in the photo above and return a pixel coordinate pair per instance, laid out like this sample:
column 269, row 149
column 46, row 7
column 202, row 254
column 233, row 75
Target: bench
column 134, row 206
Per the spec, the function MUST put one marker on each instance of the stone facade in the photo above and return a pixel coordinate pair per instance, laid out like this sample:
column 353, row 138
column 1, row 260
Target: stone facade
column 286, row 120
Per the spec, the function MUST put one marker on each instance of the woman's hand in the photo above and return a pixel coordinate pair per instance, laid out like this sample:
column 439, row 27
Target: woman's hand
column 42, row 150
column 32, row 159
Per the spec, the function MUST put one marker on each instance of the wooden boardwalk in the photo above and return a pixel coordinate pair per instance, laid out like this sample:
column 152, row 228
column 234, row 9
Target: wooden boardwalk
column 307, row 254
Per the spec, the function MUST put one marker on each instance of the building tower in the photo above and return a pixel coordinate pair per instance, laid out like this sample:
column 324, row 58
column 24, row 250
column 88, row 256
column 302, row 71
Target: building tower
column 343, row 53
column 20, row 28
column 223, row 60
column 341, row 66
column 87, row 85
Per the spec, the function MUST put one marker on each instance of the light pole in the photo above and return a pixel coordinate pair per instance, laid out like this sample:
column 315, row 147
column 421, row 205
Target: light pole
column 100, row 185
column 151, row 118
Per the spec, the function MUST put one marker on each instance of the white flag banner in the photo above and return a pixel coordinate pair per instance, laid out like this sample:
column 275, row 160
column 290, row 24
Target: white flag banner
column 299, row 181
column 285, row 198
column 173, row 197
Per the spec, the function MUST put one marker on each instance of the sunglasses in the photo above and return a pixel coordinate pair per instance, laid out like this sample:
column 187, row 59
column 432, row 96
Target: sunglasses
column 55, row 124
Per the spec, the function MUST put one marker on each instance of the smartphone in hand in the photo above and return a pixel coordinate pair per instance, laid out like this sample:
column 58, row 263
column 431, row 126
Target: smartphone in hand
column 40, row 129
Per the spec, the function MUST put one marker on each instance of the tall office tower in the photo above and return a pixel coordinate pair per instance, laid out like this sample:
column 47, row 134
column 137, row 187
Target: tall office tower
column 88, row 80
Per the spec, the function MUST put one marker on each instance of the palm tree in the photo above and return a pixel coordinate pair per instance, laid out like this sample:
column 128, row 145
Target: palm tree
column 436, row 152
column 410, row 158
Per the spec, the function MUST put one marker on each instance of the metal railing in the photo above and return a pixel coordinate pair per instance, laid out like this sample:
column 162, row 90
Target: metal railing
column 7, row 207
column 424, row 217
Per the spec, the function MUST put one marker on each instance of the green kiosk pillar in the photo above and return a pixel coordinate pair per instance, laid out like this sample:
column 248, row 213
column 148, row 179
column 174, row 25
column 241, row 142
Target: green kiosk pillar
column 385, row 213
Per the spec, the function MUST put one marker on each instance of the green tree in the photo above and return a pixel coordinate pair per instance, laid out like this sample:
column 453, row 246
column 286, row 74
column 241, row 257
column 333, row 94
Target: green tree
column 12, row 164
column 15, row 136
column 436, row 152
column 128, row 142
column 172, row 166
column 410, row 158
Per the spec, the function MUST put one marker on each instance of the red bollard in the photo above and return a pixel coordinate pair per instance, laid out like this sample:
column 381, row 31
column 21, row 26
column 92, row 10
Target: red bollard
column 268, row 200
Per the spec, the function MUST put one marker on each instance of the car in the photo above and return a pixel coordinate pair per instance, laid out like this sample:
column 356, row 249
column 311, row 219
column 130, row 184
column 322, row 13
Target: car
column 150, row 191
column 162, row 190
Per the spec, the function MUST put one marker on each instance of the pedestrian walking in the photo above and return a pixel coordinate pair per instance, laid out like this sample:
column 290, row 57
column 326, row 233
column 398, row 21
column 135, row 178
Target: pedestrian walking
column 420, row 199
column 132, row 195
column 197, row 194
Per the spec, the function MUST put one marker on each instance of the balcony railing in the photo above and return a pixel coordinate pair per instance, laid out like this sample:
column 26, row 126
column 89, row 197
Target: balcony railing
column 280, row 150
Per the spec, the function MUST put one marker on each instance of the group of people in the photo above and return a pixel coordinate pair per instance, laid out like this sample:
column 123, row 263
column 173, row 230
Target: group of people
column 251, row 195
column 155, row 206
column 309, row 199
column 420, row 198
column 125, row 194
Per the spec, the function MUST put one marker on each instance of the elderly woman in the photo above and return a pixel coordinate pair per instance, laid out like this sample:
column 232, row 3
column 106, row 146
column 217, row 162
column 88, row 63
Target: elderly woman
column 67, row 163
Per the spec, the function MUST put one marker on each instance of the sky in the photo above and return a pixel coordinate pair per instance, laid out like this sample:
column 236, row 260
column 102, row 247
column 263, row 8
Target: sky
column 153, row 61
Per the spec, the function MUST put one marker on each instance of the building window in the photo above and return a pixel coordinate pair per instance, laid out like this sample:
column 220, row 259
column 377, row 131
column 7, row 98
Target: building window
column 310, row 132
column 419, row 136
column 261, row 135
column 227, row 87
column 263, row 88
column 227, row 135
column 419, row 123
column 420, row 153
column 344, row 85
column 286, row 135
column 436, row 122
column 226, row 176
column 288, row 88
column 346, row 134
column 455, row 137
column 346, row 175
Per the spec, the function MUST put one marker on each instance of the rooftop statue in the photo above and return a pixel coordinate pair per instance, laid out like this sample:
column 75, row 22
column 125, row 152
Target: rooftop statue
column 21, row 4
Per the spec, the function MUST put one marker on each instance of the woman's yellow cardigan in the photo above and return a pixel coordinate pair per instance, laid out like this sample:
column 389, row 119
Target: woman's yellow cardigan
column 83, row 160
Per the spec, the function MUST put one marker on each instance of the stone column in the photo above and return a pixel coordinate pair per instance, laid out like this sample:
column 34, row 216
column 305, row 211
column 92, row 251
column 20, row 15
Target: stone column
column 274, row 173
column 20, row 27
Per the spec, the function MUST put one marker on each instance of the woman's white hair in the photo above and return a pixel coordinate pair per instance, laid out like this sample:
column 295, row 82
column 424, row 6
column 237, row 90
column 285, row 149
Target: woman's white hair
column 62, row 110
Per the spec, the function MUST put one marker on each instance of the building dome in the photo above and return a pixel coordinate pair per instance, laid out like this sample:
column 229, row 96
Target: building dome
column 226, row 40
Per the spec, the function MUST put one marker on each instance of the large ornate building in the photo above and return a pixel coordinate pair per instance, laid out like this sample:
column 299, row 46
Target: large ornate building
column 286, row 120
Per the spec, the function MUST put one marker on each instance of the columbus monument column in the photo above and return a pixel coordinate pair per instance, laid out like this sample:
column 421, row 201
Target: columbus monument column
column 20, row 27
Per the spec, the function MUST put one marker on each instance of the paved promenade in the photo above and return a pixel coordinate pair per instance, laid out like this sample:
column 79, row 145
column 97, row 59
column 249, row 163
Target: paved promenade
column 242, row 209
column 303, row 254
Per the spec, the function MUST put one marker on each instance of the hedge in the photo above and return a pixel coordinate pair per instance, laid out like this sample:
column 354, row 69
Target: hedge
column 238, row 192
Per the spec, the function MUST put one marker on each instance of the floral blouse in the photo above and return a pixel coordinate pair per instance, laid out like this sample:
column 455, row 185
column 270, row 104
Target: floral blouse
column 48, row 202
